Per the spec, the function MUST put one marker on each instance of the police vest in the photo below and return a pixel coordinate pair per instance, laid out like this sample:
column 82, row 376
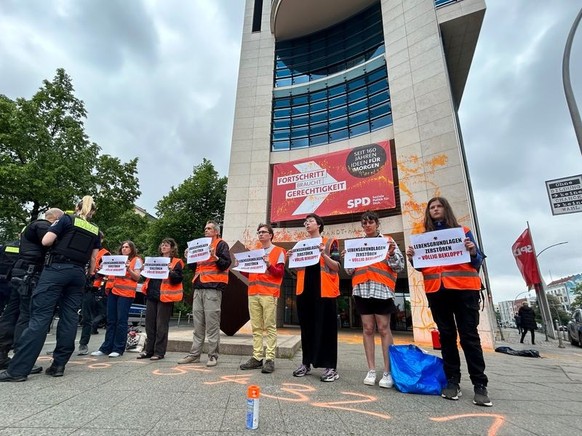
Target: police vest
column 77, row 244
column 32, row 250
column 125, row 286
column 379, row 272
column 208, row 272
column 8, row 256
column 168, row 292
column 462, row 276
column 329, row 278
column 267, row 283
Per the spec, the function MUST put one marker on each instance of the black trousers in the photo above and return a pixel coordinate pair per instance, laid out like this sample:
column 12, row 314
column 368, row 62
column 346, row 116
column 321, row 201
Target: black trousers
column 15, row 317
column 458, row 311
column 157, row 326
column 533, row 335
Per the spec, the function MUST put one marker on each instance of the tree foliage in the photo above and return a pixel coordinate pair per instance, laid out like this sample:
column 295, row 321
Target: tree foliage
column 577, row 292
column 184, row 211
column 47, row 159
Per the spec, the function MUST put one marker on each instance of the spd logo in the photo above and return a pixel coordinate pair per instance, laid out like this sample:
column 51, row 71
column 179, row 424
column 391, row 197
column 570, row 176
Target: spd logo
column 526, row 249
column 357, row 202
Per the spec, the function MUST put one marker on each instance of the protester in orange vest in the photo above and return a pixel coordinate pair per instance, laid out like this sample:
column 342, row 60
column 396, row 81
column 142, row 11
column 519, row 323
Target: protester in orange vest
column 91, row 309
column 453, row 294
column 161, row 295
column 373, row 292
column 317, row 289
column 264, row 290
column 119, row 302
column 210, row 279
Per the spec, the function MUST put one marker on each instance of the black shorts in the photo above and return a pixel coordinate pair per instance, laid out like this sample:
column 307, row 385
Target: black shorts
column 375, row 306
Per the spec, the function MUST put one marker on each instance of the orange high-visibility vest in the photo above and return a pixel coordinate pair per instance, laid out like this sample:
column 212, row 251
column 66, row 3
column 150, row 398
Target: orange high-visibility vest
column 462, row 276
column 99, row 279
column 208, row 272
column 124, row 286
column 379, row 272
column 168, row 292
column 267, row 283
column 329, row 278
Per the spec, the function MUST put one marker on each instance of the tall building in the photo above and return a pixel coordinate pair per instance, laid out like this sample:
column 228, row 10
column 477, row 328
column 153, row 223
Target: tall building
column 348, row 105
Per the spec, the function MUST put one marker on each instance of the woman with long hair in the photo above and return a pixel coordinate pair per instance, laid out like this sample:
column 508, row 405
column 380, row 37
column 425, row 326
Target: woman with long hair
column 121, row 295
column 74, row 243
column 453, row 294
column 161, row 295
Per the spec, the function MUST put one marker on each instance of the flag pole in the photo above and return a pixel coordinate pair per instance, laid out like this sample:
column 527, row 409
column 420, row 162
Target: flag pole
column 542, row 297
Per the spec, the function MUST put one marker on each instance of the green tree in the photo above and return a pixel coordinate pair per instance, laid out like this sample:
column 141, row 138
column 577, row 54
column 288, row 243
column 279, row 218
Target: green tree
column 47, row 159
column 577, row 292
column 184, row 211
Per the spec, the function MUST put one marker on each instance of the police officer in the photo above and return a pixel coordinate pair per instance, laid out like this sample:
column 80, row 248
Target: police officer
column 74, row 242
column 24, row 276
column 8, row 255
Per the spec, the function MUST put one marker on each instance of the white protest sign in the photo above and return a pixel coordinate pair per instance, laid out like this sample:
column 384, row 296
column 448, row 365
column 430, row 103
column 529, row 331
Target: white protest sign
column 156, row 267
column 251, row 261
column 198, row 250
column 364, row 251
column 113, row 266
column 439, row 248
column 305, row 253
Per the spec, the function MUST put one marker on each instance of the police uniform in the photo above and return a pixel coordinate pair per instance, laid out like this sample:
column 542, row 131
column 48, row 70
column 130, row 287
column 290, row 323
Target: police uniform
column 24, row 276
column 8, row 255
column 62, row 281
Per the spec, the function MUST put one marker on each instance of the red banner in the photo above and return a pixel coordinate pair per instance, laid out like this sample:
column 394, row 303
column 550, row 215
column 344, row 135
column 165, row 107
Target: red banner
column 525, row 257
column 343, row 182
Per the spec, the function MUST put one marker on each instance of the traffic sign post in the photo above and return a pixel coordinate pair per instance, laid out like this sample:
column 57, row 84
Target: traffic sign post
column 565, row 195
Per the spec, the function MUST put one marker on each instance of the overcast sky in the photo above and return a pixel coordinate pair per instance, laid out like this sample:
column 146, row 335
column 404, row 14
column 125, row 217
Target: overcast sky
column 160, row 76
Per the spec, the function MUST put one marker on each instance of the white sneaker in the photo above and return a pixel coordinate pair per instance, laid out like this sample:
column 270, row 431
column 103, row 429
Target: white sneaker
column 97, row 353
column 386, row 381
column 370, row 379
column 114, row 354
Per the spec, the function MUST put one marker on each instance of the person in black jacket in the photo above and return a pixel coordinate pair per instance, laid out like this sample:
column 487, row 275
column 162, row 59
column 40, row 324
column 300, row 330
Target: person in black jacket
column 24, row 276
column 528, row 321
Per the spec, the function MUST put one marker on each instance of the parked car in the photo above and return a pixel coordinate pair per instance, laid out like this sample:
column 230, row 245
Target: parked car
column 575, row 328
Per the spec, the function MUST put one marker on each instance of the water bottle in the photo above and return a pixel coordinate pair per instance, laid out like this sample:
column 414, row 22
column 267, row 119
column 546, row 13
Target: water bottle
column 253, row 393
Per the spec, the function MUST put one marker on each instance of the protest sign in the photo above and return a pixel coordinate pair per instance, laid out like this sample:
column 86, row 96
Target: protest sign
column 305, row 253
column 440, row 248
column 113, row 266
column 251, row 261
column 156, row 267
column 198, row 250
column 365, row 251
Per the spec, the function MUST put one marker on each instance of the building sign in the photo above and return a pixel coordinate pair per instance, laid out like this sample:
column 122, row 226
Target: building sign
column 348, row 181
column 565, row 194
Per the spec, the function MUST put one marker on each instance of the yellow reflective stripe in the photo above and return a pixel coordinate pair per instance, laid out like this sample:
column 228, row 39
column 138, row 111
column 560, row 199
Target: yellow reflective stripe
column 459, row 274
column 261, row 283
column 85, row 225
column 15, row 250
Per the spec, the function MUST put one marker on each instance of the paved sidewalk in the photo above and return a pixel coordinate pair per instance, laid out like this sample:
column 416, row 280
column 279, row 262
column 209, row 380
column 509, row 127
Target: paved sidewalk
column 135, row 397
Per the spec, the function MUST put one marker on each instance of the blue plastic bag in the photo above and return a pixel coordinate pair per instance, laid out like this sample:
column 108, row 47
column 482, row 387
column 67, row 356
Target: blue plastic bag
column 415, row 371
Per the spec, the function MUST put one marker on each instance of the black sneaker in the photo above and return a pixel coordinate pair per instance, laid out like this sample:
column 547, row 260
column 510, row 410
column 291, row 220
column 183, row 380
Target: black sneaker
column 252, row 363
column 481, row 397
column 268, row 367
column 452, row 391
column 55, row 371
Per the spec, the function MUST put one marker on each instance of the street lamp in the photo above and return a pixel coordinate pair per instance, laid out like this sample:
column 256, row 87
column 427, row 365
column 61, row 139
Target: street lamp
column 550, row 246
column 570, row 99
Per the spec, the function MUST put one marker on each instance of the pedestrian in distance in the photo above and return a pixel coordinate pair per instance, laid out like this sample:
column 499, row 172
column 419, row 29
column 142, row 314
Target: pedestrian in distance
column 517, row 319
column 161, row 295
column 317, row 289
column 263, row 292
column 453, row 294
column 528, row 322
column 119, row 301
column 209, row 281
column 73, row 243
column 373, row 293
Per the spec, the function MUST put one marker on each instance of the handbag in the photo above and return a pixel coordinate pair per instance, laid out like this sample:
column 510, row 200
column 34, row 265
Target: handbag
column 416, row 372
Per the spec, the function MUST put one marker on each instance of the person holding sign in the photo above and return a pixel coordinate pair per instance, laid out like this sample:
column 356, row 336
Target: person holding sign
column 161, row 295
column 453, row 294
column 121, row 296
column 373, row 292
column 264, row 289
column 317, row 290
column 210, row 279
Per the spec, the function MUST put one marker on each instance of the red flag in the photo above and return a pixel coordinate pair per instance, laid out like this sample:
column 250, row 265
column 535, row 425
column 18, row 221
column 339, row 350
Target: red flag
column 525, row 258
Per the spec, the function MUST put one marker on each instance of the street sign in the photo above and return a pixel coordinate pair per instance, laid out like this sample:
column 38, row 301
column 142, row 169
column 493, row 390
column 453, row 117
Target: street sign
column 565, row 195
